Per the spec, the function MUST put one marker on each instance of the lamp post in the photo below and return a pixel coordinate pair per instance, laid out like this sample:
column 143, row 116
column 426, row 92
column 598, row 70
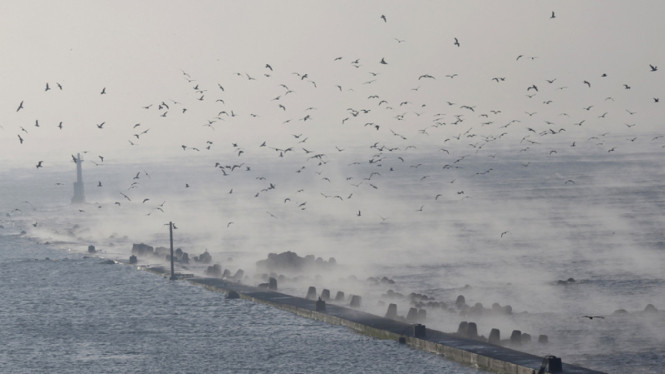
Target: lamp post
column 171, row 227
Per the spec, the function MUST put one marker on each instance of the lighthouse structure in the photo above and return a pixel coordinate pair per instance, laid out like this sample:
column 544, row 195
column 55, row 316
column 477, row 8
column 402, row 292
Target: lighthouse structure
column 79, row 194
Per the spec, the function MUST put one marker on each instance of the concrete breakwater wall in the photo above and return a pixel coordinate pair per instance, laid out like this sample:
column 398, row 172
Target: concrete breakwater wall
column 485, row 356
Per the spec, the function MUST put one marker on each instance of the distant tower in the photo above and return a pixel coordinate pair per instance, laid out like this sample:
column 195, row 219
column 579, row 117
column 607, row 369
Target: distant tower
column 79, row 194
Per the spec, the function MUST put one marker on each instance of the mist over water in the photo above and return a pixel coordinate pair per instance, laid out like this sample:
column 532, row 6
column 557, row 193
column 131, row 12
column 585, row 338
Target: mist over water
column 528, row 154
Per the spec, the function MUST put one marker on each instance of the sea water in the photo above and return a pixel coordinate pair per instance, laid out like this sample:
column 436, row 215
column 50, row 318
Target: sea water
column 64, row 312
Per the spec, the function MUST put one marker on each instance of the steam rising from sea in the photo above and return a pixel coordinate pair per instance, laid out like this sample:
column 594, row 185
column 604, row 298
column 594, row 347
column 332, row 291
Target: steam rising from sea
column 604, row 231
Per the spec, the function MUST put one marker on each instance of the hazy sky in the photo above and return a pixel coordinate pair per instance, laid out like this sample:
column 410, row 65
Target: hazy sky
column 136, row 50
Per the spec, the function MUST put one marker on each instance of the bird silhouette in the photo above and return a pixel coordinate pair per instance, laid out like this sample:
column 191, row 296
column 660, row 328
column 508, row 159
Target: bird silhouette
column 39, row 164
column 20, row 106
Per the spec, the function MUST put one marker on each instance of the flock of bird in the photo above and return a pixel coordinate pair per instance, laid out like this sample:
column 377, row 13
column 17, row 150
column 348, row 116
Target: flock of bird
column 449, row 140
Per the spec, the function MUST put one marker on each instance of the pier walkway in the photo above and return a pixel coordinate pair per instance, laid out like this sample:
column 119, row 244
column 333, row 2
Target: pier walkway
column 490, row 357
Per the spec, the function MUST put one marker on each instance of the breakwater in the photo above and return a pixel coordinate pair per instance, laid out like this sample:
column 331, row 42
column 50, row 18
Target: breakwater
column 485, row 356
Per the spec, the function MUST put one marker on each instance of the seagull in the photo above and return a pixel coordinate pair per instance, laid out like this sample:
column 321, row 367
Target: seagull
column 20, row 106
column 383, row 61
column 39, row 164
column 592, row 317
column 504, row 233
column 456, row 42
column 103, row 91
column 553, row 16
column 653, row 68
column 383, row 18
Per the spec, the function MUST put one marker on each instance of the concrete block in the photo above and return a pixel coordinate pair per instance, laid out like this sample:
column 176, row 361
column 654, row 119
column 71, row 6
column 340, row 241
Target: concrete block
column 311, row 293
column 392, row 311
column 495, row 336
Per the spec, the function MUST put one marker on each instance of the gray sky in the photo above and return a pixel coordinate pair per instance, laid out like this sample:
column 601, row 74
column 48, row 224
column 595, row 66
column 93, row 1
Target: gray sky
column 136, row 51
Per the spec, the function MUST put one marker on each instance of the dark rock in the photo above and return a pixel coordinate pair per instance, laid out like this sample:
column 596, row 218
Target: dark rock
column 226, row 274
column 650, row 309
column 91, row 249
column 214, row 271
column 387, row 280
column 141, row 250
column 204, row 258
column 238, row 275
column 291, row 262
column 272, row 284
column 133, row 259
column 233, row 295
column 107, row 262
column 507, row 309
column 542, row 339
column 460, row 301
column 263, row 285
column 162, row 251
column 340, row 296
column 526, row 338
column 620, row 312
column 325, row 295
column 355, row 301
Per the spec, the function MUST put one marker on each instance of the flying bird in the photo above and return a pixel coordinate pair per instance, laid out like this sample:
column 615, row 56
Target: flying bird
column 39, row 164
column 103, row 91
column 456, row 42
column 20, row 106
column 383, row 18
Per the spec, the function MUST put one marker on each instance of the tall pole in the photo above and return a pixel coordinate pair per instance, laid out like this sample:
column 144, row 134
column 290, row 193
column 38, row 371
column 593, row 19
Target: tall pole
column 171, row 234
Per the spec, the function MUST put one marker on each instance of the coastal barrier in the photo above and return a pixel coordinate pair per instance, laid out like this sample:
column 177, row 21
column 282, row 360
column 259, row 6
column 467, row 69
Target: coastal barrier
column 486, row 356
